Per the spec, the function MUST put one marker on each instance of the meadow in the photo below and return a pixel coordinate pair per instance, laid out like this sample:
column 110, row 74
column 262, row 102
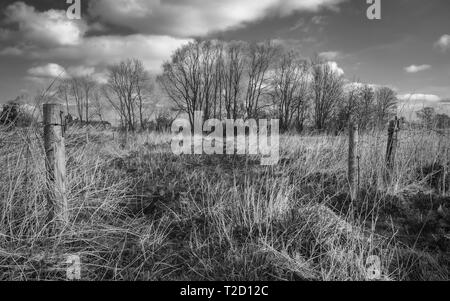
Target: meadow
column 138, row 212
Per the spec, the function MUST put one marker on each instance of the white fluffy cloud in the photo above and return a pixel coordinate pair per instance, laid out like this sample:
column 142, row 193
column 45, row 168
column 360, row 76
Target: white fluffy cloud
column 335, row 68
column 416, row 69
column 48, row 71
column 162, row 26
column 50, row 28
column 105, row 50
column 410, row 104
column 43, row 75
column 51, row 37
column 188, row 18
column 419, row 98
column 443, row 43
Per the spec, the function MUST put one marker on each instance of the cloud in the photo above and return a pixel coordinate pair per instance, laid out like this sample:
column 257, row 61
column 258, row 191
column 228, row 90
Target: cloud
column 409, row 109
column 51, row 37
column 330, row 55
column 416, row 69
column 443, row 43
column 80, row 71
column 190, row 18
column 319, row 20
column 409, row 104
column 50, row 28
column 316, row 22
column 51, row 70
column 102, row 51
column 335, row 68
column 419, row 98
column 4, row 34
column 299, row 24
column 349, row 86
column 42, row 75
column 12, row 51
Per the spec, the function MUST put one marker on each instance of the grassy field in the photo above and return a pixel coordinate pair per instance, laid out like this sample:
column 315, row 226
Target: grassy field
column 141, row 213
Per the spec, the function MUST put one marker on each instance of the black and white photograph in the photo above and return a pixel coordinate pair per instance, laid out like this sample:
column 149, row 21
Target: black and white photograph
column 207, row 143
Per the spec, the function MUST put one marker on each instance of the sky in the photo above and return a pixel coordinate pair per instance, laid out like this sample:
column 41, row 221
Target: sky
column 407, row 50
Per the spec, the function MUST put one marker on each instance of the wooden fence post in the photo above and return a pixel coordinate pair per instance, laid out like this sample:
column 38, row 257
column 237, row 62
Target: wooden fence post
column 55, row 164
column 446, row 165
column 123, row 138
column 394, row 127
column 352, row 155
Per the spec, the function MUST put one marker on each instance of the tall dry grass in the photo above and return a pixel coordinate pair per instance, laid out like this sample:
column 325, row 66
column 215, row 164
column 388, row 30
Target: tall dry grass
column 140, row 213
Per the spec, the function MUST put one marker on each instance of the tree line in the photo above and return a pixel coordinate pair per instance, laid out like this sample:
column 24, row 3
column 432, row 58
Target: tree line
column 239, row 80
column 127, row 89
column 232, row 80
column 431, row 119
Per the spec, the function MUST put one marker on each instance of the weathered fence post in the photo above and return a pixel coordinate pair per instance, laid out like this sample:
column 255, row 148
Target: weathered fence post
column 394, row 127
column 55, row 164
column 352, row 155
column 446, row 188
column 123, row 138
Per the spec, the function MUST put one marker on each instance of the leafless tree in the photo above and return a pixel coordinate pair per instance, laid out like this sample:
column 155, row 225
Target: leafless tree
column 366, row 107
column 63, row 92
column 327, row 90
column 231, row 77
column 78, row 90
column 260, row 57
column 126, row 81
column 347, row 109
column 189, row 77
column 289, row 87
column 77, row 95
column 97, row 105
column 217, row 77
column 385, row 105
column 88, row 87
column 144, row 90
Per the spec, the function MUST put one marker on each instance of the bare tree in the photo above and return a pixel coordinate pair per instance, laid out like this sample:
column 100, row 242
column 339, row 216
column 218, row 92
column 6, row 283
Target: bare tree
column 63, row 91
column 88, row 86
column 385, row 105
column 219, row 83
column 232, row 75
column 77, row 95
column 126, row 80
column 427, row 116
column 217, row 77
column 189, row 77
column 144, row 90
column 327, row 89
column 347, row 109
column 78, row 90
column 366, row 107
column 289, row 87
column 260, row 58
column 97, row 105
